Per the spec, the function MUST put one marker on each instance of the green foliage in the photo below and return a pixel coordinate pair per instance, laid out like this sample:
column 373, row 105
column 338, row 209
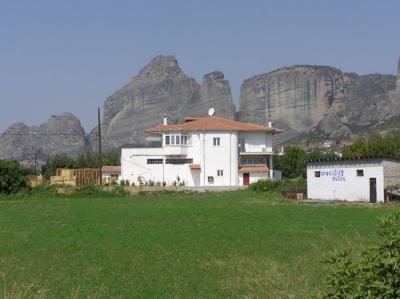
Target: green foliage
column 376, row 146
column 293, row 163
column 265, row 186
column 376, row 274
column 278, row 186
column 12, row 177
column 89, row 160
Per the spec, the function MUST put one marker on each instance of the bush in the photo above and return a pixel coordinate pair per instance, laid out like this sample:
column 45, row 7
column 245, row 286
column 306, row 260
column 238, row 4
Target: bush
column 265, row 186
column 376, row 273
column 12, row 177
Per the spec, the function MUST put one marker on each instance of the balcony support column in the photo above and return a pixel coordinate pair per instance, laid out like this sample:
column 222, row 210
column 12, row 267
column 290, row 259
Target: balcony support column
column 271, row 167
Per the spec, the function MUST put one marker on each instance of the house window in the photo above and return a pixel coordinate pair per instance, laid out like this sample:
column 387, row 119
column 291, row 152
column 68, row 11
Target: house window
column 317, row 174
column 154, row 161
column 184, row 140
column 217, row 141
column 220, row 172
column 178, row 161
column 360, row 172
column 178, row 139
column 211, row 180
column 167, row 138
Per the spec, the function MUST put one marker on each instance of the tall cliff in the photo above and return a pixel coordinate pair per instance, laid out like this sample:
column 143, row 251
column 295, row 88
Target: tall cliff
column 61, row 134
column 301, row 99
column 160, row 88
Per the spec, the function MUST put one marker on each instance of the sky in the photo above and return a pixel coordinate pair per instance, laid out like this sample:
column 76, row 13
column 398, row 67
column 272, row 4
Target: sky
column 68, row 56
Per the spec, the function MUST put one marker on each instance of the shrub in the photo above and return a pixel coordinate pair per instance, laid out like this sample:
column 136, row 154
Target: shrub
column 265, row 186
column 375, row 274
column 12, row 177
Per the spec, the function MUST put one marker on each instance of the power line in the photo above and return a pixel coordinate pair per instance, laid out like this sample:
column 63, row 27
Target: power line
column 40, row 134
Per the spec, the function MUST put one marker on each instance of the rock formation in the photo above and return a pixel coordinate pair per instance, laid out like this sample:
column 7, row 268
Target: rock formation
column 302, row 98
column 160, row 88
column 62, row 134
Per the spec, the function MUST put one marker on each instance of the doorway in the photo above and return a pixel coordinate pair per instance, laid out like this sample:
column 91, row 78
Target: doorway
column 372, row 190
column 246, row 178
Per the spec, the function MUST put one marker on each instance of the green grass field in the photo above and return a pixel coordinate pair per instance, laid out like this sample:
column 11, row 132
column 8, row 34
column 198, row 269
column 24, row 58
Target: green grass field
column 219, row 245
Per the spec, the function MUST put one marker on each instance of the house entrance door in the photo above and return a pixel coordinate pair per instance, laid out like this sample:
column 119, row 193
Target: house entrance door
column 246, row 178
column 372, row 190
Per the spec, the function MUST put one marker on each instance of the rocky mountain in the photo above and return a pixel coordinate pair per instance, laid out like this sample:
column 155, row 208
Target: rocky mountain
column 302, row 100
column 160, row 88
column 62, row 134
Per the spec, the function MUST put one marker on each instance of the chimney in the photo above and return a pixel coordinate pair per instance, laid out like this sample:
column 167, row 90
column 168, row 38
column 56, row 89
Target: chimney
column 270, row 123
column 165, row 119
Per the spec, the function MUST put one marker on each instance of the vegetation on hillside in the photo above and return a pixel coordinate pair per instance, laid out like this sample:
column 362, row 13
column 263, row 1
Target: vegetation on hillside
column 388, row 145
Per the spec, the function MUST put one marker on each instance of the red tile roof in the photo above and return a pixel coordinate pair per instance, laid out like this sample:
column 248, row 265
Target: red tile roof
column 213, row 123
column 194, row 166
column 254, row 169
column 111, row 169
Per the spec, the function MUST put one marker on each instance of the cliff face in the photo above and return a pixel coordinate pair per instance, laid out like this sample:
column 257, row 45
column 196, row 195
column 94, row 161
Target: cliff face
column 62, row 134
column 160, row 88
column 300, row 99
column 295, row 98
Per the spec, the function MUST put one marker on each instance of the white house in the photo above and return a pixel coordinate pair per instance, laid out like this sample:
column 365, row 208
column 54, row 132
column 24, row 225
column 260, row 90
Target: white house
column 205, row 151
column 352, row 179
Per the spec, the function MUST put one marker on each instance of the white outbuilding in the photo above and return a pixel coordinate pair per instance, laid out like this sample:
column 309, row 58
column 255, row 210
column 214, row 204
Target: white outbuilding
column 352, row 179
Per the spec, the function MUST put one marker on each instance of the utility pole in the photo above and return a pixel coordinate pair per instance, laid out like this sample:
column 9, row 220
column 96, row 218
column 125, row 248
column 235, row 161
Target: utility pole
column 36, row 167
column 100, row 155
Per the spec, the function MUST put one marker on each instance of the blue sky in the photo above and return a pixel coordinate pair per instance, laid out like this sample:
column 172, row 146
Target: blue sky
column 58, row 56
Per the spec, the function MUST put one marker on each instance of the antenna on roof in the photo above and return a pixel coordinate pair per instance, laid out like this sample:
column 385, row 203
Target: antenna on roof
column 211, row 112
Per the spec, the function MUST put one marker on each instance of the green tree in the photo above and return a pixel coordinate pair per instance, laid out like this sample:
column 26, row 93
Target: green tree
column 377, row 146
column 12, row 176
column 292, row 163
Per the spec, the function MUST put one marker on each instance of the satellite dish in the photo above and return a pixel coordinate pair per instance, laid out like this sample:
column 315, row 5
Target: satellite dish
column 211, row 111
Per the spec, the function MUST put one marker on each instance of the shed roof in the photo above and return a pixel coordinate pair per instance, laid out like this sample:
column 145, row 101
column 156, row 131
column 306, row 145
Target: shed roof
column 111, row 169
column 356, row 158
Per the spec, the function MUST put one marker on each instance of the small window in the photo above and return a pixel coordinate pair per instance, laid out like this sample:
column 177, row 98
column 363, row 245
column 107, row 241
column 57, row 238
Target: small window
column 211, row 180
column 360, row 172
column 220, row 172
column 167, row 139
column 317, row 174
column 178, row 139
column 217, row 141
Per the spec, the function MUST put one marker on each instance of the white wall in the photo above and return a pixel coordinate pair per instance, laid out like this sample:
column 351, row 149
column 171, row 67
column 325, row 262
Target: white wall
column 254, row 177
column 223, row 157
column 342, row 182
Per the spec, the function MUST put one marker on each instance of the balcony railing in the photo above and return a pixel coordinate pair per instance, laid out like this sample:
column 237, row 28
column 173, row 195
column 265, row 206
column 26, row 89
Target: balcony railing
column 256, row 150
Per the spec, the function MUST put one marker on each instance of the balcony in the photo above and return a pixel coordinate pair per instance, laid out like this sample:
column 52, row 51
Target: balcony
column 255, row 150
column 175, row 150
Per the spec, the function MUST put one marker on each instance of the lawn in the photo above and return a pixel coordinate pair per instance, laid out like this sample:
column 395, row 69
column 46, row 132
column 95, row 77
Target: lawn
column 215, row 245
